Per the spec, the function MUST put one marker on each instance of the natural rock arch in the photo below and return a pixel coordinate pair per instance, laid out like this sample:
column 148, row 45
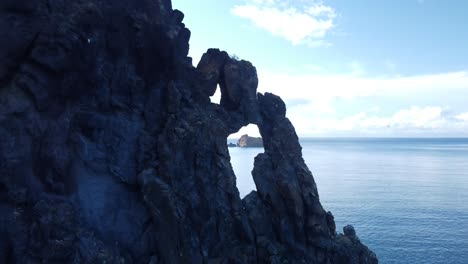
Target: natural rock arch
column 286, row 200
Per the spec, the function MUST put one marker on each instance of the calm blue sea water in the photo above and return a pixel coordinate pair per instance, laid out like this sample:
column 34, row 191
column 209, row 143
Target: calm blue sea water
column 407, row 198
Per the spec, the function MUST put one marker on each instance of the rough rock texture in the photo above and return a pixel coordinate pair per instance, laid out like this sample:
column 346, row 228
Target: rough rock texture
column 111, row 151
column 250, row 142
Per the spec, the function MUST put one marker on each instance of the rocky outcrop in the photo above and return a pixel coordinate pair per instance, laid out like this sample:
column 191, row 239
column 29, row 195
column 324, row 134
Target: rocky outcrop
column 250, row 142
column 111, row 151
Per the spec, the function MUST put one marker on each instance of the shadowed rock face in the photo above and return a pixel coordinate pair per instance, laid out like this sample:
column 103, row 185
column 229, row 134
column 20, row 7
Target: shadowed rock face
column 112, row 152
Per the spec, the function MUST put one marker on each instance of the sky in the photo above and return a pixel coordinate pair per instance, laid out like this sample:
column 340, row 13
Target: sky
column 361, row 68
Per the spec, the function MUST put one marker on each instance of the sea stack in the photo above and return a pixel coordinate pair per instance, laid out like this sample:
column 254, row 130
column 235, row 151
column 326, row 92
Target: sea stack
column 250, row 142
column 111, row 151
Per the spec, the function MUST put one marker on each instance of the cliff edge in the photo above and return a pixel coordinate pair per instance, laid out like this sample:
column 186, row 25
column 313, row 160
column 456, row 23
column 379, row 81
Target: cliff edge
column 111, row 151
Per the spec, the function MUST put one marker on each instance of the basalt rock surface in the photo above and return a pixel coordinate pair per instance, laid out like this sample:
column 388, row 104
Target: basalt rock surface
column 111, row 151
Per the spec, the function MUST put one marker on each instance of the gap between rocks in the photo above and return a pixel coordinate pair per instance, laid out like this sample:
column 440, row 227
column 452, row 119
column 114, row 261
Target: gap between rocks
column 242, row 159
column 216, row 97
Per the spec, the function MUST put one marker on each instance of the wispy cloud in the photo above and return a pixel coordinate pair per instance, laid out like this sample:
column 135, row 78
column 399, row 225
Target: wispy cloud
column 321, row 97
column 299, row 21
column 411, row 118
column 350, row 85
column 462, row 117
column 413, row 121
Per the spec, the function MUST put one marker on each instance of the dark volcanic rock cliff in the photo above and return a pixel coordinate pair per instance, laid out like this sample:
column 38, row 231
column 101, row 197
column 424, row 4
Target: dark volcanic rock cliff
column 111, row 151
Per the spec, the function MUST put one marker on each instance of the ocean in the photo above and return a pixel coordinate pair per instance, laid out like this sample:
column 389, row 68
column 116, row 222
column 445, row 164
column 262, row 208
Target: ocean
column 407, row 198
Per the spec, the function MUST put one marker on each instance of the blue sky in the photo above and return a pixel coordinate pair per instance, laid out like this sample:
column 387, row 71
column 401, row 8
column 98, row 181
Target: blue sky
column 348, row 68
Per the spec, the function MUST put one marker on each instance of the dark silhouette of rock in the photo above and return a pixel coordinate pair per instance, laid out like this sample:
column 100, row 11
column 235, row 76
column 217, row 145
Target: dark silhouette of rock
column 250, row 142
column 111, row 151
column 349, row 231
column 232, row 145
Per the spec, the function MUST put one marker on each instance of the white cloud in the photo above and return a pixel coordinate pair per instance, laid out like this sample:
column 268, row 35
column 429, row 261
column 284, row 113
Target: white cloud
column 300, row 22
column 462, row 117
column 417, row 117
column 327, row 87
column 318, row 10
column 314, row 102
column 412, row 119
